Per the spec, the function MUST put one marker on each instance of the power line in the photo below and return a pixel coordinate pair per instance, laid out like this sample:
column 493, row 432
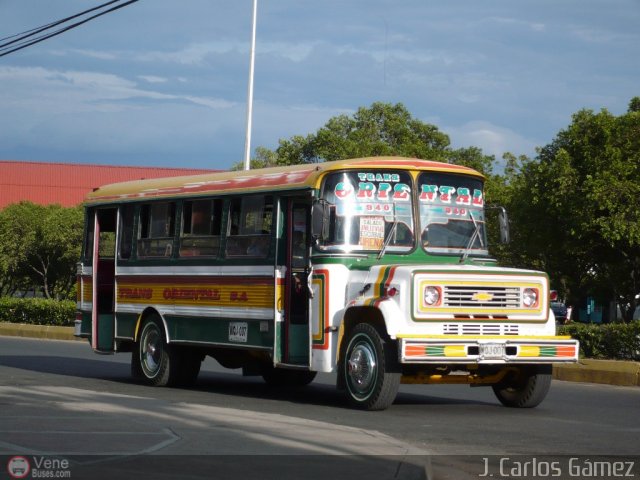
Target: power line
column 42, row 28
column 29, row 33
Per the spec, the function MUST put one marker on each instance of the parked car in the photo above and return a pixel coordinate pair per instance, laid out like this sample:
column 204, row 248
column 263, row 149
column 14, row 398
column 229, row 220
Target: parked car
column 559, row 311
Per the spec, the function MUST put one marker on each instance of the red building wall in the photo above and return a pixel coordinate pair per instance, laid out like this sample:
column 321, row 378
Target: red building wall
column 66, row 183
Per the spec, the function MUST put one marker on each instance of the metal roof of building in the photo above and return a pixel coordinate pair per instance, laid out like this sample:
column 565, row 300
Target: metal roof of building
column 68, row 184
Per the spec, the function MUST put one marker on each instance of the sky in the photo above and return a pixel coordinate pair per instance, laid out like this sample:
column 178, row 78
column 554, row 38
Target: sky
column 164, row 83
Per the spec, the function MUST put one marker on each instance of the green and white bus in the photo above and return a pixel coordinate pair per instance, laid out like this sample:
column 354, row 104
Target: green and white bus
column 377, row 269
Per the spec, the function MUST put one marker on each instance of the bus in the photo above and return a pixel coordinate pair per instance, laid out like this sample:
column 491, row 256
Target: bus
column 376, row 269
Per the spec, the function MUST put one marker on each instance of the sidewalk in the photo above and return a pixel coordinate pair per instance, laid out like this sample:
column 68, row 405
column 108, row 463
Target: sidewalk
column 610, row 372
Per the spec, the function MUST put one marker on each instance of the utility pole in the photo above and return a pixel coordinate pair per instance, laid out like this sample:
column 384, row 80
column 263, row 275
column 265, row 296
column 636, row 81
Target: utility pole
column 252, row 55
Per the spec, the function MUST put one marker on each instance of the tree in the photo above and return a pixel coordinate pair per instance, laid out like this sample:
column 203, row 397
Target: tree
column 17, row 235
column 39, row 248
column 576, row 208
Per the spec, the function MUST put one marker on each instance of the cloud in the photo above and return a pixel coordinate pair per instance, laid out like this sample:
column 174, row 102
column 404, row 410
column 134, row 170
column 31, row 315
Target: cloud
column 492, row 139
column 598, row 35
column 196, row 54
column 95, row 54
column 193, row 54
column 70, row 114
column 62, row 91
column 516, row 23
column 152, row 79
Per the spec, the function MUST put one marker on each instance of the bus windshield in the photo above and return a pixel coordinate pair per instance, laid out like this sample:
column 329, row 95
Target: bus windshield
column 370, row 211
column 451, row 214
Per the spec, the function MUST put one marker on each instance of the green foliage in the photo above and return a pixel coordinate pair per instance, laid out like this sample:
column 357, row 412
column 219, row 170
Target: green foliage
column 37, row 311
column 614, row 341
column 39, row 248
column 575, row 209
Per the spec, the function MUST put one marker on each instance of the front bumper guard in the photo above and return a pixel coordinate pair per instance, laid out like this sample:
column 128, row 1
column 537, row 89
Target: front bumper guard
column 496, row 350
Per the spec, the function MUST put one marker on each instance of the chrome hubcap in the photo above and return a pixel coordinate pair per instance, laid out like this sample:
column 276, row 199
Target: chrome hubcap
column 361, row 367
column 151, row 351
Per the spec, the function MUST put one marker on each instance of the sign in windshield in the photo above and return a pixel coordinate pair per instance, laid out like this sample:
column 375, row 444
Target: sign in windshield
column 370, row 210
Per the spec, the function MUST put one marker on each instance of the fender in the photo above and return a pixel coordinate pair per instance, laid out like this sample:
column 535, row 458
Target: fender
column 383, row 311
column 148, row 311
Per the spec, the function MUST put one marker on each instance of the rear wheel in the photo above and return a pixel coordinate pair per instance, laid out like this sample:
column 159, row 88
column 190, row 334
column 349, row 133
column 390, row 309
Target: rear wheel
column 370, row 369
column 157, row 363
column 525, row 389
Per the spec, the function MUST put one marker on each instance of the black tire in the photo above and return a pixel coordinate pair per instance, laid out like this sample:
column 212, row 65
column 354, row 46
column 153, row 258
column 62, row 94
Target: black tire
column 525, row 389
column 159, row 364
column 370, row 370
column 281, row 377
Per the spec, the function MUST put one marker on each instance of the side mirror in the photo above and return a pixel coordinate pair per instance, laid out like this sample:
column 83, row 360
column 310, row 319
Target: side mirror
column 503, row 220
column 320, row 220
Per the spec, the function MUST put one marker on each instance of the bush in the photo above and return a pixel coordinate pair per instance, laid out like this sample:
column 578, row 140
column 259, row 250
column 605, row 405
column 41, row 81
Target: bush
column 614, row 341
column 37, row 311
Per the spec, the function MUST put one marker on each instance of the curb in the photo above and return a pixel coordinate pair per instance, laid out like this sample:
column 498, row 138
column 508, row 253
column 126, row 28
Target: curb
column 48, row 332
column 608, row 372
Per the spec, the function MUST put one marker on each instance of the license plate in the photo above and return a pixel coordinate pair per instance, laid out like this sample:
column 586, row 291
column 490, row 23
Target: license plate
column 492, row 350
column 238, row 332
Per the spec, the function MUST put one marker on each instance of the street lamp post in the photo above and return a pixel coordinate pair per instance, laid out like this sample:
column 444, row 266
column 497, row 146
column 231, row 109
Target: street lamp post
column 252, row 54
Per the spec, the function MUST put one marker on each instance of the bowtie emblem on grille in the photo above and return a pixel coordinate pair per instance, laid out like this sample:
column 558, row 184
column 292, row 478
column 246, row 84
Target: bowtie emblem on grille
column 482, row 297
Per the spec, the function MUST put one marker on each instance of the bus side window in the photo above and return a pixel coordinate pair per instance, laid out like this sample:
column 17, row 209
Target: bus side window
column 201, row 228
column 157, row 228
column 250, row 221
column 126, row 231
column 88, row 237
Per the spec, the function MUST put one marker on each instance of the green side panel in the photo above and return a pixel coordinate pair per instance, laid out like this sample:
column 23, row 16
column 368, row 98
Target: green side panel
column 85, row 327
column 126, row 323
column 106, row 324
column 216, row 330
column 299, row 344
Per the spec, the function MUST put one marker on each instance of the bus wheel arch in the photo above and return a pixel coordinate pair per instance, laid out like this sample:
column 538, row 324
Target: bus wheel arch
column 368, row 367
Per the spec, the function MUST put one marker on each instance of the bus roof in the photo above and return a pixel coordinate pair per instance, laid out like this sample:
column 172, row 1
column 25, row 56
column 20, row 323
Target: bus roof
column 263, row 179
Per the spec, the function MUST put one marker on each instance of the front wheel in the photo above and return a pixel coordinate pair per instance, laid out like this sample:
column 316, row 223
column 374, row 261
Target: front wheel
column 370, row 369
column 526, row 388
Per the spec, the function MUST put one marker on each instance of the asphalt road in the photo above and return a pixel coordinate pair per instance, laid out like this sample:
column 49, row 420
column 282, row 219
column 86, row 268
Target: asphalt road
column 59, row 398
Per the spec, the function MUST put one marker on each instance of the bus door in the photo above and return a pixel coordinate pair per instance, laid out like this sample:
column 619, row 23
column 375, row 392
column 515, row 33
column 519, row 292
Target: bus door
column 104, row 253
column 296, row 318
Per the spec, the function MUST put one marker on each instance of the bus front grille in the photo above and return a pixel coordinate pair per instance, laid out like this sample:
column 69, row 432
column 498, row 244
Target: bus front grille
column 456, row 296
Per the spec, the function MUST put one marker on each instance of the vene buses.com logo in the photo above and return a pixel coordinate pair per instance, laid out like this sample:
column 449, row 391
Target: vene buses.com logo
column 18, row 467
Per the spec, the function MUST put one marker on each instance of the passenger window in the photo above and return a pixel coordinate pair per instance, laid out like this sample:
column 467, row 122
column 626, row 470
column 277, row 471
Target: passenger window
column 88, row 238
column 201, row 228
column 250, row 221
column 157, row 229
column 126, row 231
column 107, row 245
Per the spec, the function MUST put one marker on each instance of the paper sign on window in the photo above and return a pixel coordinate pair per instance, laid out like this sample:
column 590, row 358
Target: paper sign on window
column 371, row 232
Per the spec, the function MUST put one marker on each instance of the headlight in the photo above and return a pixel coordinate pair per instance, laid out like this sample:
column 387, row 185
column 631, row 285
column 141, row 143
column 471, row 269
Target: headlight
column 432, row 296
column 530, row 297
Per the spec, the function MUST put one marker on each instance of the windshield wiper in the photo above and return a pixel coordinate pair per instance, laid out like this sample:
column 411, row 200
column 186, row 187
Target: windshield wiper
column 387, row 240
column 475, row 236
